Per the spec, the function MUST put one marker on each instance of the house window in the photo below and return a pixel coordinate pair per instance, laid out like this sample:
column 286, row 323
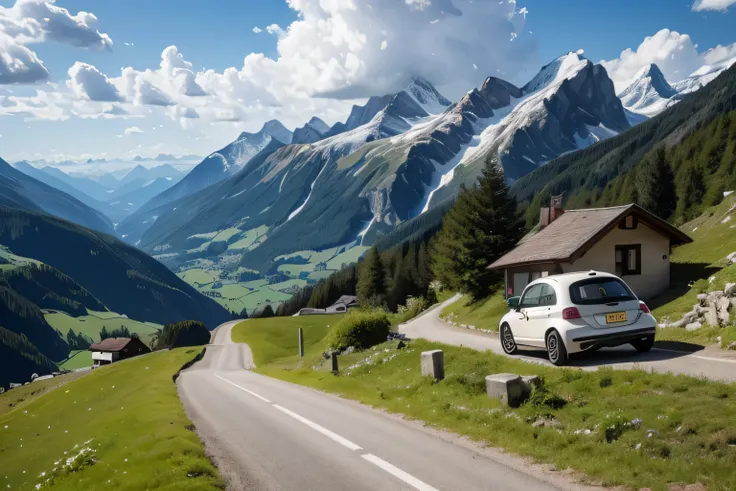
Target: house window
column 628, row 260
column 629, row 223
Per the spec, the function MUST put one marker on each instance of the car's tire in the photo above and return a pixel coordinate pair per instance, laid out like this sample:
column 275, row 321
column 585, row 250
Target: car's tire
column 643, row 345
column 556, row 350
column 508, row 343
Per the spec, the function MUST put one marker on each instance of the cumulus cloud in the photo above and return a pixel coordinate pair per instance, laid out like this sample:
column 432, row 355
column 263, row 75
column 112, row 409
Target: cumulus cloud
column 674, row 53
column 88, row 82
column 37, row 21
column 257, row 30
column 712, row 4
column 18, row 64
column 133, row 130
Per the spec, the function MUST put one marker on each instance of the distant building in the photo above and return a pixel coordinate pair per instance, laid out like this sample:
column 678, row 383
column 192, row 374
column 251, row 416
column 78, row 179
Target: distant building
column 627, row 241
column 342, row 305
column 114, row 349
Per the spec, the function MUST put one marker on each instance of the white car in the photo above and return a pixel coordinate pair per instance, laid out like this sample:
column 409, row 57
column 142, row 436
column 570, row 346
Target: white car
column 575, row 312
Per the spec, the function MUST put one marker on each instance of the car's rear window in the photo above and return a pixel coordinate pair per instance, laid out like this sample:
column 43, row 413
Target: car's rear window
column 599, row 291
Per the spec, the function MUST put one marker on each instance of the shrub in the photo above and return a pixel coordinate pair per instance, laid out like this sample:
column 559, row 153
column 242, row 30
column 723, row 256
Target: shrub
column 414, row 306
column 359, row 329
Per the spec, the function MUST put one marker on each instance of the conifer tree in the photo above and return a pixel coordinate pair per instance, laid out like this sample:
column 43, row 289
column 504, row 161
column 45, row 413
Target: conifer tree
column 371, row 286
column 655, row 184
column 480, row 227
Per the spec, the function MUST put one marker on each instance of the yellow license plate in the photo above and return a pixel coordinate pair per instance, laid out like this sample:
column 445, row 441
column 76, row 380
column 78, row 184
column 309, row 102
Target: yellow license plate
column 615, row 317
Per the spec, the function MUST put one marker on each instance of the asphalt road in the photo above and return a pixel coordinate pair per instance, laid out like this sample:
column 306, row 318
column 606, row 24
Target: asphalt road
column 712, row 365
column 266, row 434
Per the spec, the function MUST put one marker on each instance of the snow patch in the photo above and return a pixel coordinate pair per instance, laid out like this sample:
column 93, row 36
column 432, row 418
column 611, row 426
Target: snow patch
column 311, row 190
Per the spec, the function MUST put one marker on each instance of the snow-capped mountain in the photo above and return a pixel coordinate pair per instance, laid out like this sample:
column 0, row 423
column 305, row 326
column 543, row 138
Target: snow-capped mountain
column 702, row 77
column 313, row 131
column 410, row 153
column 649, row 93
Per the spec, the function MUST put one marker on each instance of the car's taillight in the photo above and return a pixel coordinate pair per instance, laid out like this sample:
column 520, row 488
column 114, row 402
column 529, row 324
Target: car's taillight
column 571, row 313
column 643, row 307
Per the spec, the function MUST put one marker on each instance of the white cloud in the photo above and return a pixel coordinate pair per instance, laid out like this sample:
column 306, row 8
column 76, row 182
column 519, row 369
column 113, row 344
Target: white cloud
column 18, row 64
column 133, row 130
column 88, row 82
column 276, row 30
column 675, row 54
column 37, row 21
column 712, row 4
column 257, row 30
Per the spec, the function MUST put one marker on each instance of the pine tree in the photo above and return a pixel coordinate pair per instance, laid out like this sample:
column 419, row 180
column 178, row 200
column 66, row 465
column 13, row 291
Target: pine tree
column 104, row 334
column 371, row 286
column 480, row 227
column 655, row 185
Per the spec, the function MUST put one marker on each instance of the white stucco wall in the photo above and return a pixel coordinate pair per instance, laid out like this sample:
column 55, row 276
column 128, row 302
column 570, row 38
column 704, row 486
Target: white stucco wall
column 655, row 271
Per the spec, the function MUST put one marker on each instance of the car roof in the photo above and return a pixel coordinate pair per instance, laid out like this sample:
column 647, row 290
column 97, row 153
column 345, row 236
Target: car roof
column 567, row 279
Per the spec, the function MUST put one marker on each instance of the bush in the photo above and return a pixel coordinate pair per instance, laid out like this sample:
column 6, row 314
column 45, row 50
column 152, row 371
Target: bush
column 184, row 333
column 359, row 329
column 414, row 306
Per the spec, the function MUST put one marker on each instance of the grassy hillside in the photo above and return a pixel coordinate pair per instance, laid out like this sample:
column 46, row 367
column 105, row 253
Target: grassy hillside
column 121, row 277
column 671, row 440
column 129, row 417
column 583, row 176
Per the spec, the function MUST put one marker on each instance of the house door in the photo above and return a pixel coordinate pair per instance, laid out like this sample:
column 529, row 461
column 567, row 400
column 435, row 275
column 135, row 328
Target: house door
column 520, row 282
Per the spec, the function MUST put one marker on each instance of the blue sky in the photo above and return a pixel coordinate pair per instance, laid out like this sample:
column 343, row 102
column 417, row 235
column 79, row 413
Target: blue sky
column 319, row 71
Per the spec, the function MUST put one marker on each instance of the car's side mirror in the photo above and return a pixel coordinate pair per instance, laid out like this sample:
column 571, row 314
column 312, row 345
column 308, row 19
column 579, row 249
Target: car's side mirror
column 513, row 303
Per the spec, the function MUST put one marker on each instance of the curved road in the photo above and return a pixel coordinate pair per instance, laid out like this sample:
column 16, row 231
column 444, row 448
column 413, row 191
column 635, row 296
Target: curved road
column 266, row 435
column 715, row 366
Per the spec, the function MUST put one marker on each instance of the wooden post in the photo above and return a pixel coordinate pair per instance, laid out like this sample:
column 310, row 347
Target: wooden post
column 335, row 369
column 301, row 343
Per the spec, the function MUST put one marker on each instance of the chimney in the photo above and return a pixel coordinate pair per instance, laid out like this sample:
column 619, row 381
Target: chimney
column 553, row 212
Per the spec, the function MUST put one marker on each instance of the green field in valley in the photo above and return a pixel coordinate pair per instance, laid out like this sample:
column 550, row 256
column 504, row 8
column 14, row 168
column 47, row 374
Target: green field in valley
column 77, row 359
column 91, row 324
column 619, row 428
column 127, row 420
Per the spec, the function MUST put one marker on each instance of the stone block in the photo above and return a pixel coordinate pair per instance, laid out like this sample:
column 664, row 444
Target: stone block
column 690, row 317
column 701, row 298
column 694, row 326
column 711, row 317
column 433, row 364
column 507, row 387
column 730, row 290
column 723, row 306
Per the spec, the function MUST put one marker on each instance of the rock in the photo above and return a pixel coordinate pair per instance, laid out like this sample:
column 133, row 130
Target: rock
column 694, row 326
column 723, row 305
column 711, row 279
column 731, row 258
column 690, row 317
column 701, row 298
column 711, row 297
column 733, row 302
column 732, row 346
column 433, row 364
column 507, row 387
column 730, row 290
column 546, row 422
column 711, row 317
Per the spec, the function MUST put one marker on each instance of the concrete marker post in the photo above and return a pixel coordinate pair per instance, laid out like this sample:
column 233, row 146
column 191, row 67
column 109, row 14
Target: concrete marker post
column 335, row 369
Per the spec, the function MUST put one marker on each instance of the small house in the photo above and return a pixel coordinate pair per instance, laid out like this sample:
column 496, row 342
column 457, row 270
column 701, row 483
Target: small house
column 627, row 241
column 342, row 304
column 111, row 350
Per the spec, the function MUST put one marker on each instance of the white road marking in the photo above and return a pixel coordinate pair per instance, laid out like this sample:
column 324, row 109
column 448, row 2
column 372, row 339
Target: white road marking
column 244, row 389
column 396, row 472
column 707, row 358
column 334, row 436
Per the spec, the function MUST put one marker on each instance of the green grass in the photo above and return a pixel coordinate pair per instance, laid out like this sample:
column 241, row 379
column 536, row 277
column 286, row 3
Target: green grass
column 77, row 359
column 485, row 314
column 690, row 442
column 17, row 398
column 199, row 276
column 692, row 267
column 130, row 414
column 91, row 325
column 352, row 255
column 248, row 238
column 277, row 337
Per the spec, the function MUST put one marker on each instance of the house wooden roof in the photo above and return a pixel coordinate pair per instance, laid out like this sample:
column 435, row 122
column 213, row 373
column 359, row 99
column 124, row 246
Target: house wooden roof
column 576, row 231
column 110, row 344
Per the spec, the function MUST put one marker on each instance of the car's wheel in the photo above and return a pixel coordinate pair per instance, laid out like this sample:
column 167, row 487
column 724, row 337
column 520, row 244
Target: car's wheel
column 643, row 345
column 556, row 350
column 507, row 340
